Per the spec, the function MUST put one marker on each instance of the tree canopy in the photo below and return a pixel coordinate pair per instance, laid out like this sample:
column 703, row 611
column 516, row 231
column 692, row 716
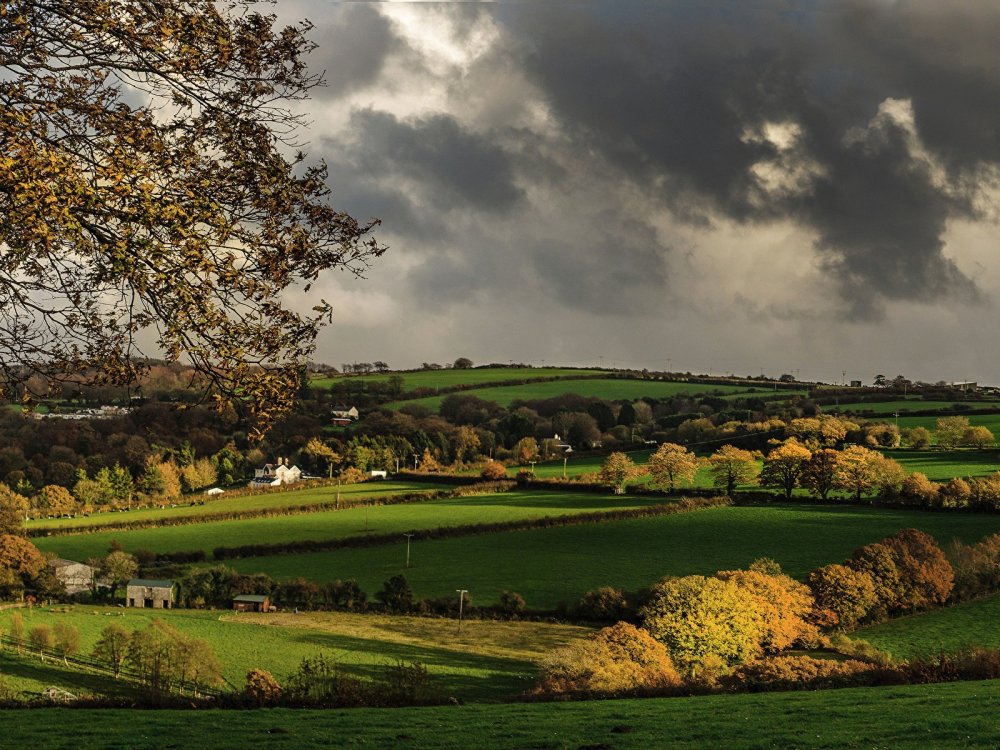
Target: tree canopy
column 151, row 190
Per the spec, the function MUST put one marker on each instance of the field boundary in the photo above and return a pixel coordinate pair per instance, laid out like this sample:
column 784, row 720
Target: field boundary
column 684, row 505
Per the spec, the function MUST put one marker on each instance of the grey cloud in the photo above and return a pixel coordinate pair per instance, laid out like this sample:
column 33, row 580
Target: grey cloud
column 456, row 166
column 353, row 47
column 668, row 93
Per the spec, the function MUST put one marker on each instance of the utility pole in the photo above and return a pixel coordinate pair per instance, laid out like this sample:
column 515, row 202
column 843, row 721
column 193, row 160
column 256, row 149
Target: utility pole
column 461, row 601
column 408, row 538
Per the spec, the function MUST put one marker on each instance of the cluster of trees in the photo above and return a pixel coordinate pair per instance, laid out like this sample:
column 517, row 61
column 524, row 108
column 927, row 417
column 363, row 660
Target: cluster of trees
column 699, row 627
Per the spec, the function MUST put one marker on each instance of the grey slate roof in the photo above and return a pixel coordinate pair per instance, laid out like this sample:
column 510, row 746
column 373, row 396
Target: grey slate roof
column 255, row 598
column 155, row 583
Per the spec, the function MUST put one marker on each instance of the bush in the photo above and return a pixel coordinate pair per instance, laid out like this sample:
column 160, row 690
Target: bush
column 261, row 689
column 396, row 594
column 494, row 470
column 511, row 603
column 799, row 673
column 616, row 660
column 320, row 681
column 604, row 603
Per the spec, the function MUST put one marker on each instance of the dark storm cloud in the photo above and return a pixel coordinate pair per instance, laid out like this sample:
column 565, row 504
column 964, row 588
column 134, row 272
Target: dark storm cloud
column 672, row 93
column 457, row 167
column 353, row 47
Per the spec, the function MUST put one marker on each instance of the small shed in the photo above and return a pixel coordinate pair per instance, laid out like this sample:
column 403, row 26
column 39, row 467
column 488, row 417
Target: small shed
column 252, row 603
column 149, row 593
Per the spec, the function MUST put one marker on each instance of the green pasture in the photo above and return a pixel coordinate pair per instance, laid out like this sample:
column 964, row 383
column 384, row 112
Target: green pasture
column 913, row 717
column 548, row 566
column 259, row 501
column 942, row 465
column 450, row 378
column 885, row 408
column 486, row 661
column 607, row 388
column 337, row 524
column 975, row 623
column 990, row 421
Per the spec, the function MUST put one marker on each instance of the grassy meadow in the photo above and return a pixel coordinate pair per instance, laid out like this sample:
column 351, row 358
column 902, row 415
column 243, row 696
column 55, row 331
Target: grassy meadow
column 486, row 661
column 548, row 566
column 887, row 408
column 449, row 378
column 338, row 524
column 261, row 501
column 946, row 716
column 609, row 388
column 974, row 623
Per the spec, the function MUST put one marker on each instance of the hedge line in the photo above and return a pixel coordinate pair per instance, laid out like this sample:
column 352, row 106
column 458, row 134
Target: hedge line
column 683, row 505
column 240, row 515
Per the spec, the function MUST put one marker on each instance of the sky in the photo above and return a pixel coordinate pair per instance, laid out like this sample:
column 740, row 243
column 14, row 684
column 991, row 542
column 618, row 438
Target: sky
column 715, row 187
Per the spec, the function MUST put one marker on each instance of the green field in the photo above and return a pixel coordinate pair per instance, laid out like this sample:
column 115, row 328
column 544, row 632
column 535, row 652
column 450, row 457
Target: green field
column 610, row 389
column 349, row 494
column 941, row 466
column 450, row 378
column 975, row 623
column 486, row 661
column 915, row 404
column 919, row 717
column 337, row 524
column 547, row 566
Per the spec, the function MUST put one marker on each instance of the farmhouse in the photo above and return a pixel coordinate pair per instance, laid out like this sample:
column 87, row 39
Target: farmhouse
column 149, row 593
column 252, row 603
column 344, row 417
column 275, row 475
column 77, row 577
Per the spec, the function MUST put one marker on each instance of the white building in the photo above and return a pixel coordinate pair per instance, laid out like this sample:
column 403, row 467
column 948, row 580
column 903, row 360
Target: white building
column 275, row 475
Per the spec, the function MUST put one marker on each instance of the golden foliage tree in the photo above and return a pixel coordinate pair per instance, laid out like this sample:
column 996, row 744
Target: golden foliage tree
column 671, row 465
column 784, row 466
column 616, row 470
column 819, row 473
column 856, row 470
column 730, row 466
column 146, row 190
column 785, row 606
column 949, row 430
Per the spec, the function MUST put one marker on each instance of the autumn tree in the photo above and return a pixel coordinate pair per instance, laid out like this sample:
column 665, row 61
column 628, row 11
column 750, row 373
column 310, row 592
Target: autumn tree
column 889, row 475
column 13, row 510
column 493, row 470
column 526, row 450
column 322, row 454
column 112, row 647
column 730, row 466
column 856, row 470
column 150, row 185
column 846, row 593
column 927, row 576
column 950, row 430
column 978, row 436
column 700, row 618
column 66, row 639
column 819, row 473
column 616, row 470
column 917, row 438
column 783, row 466
column 671, row 465
column 20, row 564
column 785, row 606
column 118, row 567
column 54, row 500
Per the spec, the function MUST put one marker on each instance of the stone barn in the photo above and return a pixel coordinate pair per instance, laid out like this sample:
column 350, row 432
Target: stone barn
column 149, row 593
column 252, row 603
column 77, row 577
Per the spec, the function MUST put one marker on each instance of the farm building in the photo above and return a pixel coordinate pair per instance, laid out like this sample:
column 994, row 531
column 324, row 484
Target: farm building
column 344, row 417
column 252, row 603
column 275, row 475
column 149, row 593
column 77, row 577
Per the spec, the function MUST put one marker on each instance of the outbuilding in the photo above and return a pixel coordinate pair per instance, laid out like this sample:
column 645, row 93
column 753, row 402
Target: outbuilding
column 252, row 603
column 149, row 593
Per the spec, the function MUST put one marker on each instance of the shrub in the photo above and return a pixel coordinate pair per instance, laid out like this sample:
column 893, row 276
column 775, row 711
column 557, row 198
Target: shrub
column 41, row 638
column 605, row 603
column 261, row 689
column 396, row 594
column 617, row 659
column 321, row 681
column 799, row 673
column 493, row 470
column 403, row 684
column 511, row 603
